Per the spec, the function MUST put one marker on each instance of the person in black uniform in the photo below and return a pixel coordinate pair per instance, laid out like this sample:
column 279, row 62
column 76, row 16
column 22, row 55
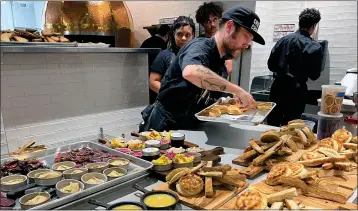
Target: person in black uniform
column 198, row 66
column 182, row 31
column 159, row 40
column 295, row 58
column 208, row 16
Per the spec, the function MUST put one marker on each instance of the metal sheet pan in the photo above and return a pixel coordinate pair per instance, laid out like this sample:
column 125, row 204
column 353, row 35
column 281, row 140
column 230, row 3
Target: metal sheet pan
column 253, row 117
column 137, row 168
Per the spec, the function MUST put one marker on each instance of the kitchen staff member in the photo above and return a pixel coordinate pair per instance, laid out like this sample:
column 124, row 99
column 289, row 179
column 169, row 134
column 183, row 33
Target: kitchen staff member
column 208, row 16
column 198, row 66
column 182, row 31
column 295, row 58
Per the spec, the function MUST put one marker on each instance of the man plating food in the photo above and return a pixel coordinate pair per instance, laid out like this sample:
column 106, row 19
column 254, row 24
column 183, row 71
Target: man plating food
column 295, row 58
column 197, row 67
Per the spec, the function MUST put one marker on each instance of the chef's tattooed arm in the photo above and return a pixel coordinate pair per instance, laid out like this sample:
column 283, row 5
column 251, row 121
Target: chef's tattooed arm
column 205, row 78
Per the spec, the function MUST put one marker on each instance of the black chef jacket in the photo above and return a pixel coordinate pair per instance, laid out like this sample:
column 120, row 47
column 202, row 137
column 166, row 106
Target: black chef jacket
column 295, row 58
column 160, row 65
column 298, row 55
column 177, row 99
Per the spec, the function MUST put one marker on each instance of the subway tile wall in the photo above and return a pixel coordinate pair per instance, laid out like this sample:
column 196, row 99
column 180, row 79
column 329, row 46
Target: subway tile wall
column 47, row 97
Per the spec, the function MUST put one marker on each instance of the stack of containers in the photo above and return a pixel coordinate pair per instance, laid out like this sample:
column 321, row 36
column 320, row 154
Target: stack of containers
column 330, row 116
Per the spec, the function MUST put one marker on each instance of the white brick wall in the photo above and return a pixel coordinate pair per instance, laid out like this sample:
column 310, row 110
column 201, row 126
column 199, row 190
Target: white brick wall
column 51, row 97
column 338, row 25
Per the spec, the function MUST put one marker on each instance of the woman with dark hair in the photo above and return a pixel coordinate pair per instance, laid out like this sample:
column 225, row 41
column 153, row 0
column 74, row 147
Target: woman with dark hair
column 182, row 31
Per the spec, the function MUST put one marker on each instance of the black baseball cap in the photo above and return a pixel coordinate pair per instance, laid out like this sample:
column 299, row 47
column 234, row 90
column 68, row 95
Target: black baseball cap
column 247, row 19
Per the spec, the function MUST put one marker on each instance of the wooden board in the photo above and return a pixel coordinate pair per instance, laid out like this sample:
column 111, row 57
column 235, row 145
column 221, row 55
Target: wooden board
column 221, row 196
column 162, row 174
column 305, row 200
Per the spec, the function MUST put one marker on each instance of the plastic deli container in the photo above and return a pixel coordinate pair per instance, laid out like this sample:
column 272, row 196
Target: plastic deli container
column 332, row 99
column 328, row 124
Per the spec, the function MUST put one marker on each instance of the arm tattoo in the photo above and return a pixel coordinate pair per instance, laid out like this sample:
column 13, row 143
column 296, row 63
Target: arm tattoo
column 206, row 83
column 203, row 71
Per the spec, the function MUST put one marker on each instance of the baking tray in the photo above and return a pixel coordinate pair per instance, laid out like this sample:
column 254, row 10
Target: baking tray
column 252, row 117
column 137, row 168
column 39, row 44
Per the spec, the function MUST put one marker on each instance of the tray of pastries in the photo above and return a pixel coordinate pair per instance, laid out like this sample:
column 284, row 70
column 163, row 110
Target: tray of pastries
column 229, row 110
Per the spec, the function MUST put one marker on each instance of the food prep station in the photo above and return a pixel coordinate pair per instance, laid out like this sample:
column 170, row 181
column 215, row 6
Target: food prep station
column 121, row 190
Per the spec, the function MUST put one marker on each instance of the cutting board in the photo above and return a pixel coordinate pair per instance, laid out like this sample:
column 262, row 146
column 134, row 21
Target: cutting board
column 305, row 200
column 221, row 196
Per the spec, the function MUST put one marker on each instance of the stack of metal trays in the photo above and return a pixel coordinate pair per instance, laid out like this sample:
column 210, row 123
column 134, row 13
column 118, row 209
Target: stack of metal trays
column 137, row 168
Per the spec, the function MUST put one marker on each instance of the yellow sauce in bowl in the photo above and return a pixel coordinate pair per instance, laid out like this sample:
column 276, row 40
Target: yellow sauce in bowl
column 127, row 207
column 159, row 200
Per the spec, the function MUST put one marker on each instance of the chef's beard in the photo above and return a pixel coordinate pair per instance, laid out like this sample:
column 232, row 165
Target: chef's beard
column 233, row 53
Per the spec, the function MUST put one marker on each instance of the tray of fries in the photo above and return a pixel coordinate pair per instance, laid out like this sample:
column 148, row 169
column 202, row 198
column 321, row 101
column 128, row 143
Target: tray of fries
column 229, row 110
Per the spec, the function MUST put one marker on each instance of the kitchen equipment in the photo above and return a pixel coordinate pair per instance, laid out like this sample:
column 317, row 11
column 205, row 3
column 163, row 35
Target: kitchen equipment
column 117, row 169
column 67, row 164
column 65, row 183
column 48, row 181
column 327, row 125
column 260, row 87
column 30, row 196
column 91, row 175
column 9, row 187
column 149, row 193
column 350, row 81
column 111, row 206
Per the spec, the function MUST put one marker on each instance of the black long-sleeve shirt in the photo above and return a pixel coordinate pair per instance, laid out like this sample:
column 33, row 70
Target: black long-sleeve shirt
column 298, row 55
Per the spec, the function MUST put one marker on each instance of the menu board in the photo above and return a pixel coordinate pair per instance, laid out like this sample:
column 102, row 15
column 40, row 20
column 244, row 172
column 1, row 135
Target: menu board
column 281, row 30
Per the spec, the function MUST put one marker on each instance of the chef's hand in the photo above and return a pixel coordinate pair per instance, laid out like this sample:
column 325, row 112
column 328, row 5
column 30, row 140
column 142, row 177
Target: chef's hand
column 246, row 99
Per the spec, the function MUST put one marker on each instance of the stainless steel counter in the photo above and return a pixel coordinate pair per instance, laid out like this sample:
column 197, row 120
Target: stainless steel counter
column 234, row 138
column 34, row 49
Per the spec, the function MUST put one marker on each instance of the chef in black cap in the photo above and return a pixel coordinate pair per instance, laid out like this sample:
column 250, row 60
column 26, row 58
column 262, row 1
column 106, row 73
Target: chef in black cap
column 196, row 68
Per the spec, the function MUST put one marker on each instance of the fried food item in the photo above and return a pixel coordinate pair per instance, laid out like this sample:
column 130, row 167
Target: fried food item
column 234, row 110
column 20, row 39
column 342, row 135
column 179, row 175
column 263, row 106
column 270, row 136
column 212, row 112
column 174, row 172
column 251, row 200
column 331, row 144
column 233, row 177
column 5, row 37
column 282, row 195
column 312, row 155
column 328, row 152
column 277, row 172
column 190, row 185
column 63, row 39
column 320, row 161
column 223, row 108
column 308, row 132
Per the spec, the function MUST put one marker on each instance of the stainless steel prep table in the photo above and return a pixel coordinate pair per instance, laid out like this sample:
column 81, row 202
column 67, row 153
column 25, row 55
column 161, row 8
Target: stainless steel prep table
column 209, row 135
